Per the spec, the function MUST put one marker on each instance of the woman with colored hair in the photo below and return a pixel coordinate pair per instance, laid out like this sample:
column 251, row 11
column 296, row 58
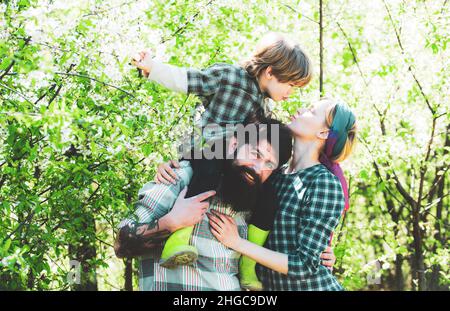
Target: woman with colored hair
column 312, row 194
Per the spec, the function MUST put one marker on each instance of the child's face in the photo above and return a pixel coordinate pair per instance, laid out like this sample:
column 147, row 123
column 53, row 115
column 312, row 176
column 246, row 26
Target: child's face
column 277, row 90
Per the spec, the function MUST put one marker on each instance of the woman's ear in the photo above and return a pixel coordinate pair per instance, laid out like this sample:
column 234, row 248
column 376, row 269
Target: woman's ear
column 323, row 134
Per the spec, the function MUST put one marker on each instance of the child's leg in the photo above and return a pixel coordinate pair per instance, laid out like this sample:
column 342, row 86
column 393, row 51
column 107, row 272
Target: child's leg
column 259, row 228
column 177, row 251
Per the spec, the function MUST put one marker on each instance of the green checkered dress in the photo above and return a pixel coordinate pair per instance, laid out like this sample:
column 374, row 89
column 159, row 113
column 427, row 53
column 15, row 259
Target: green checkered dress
column 217, row 266
column 311, row 203
column 228, row 92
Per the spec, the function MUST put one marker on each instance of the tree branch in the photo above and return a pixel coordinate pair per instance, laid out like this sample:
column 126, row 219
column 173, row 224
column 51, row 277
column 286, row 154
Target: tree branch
column 7, row 69
column 16, row 92
column 96, row 80
column 294, row 10
column 182, row 28
column 26, row 40
column 397, row 35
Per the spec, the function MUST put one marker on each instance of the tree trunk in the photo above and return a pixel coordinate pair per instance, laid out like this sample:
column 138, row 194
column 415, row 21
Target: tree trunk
column 419, row 267
column 321, row 47
column 399, row 280
column 30, row 280
column 439, row 237
column 129, row 274
column 396, row 281
column 85, row 252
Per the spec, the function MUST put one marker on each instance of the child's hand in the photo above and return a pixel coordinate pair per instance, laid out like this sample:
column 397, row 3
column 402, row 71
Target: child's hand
column 165, row 174
column 143, row 61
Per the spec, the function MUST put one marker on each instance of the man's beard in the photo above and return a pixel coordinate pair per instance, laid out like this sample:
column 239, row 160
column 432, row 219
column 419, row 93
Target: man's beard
column 235, row 189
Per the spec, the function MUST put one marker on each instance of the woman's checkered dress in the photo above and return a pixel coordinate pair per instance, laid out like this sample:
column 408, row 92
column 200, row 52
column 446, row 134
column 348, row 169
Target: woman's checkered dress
column 311, row 203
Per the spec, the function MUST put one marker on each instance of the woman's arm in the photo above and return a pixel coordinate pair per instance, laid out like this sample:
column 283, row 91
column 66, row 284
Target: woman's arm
column 273, row 260
column 224, row 228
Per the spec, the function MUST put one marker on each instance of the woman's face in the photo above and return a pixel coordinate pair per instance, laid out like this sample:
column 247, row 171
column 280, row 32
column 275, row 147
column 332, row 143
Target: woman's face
column 310, row 123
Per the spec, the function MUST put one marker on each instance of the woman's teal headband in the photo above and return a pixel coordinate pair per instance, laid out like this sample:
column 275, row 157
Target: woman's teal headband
column 343, row 121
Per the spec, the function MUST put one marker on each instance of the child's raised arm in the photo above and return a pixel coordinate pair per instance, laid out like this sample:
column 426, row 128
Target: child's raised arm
column 184, row 80
column 172, row 77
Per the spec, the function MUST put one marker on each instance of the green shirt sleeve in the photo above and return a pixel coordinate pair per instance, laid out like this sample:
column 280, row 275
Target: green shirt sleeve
column 156, row 200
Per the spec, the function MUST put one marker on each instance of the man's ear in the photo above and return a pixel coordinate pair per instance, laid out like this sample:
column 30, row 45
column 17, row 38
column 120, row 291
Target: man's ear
column 232, row 144
column 323, row 134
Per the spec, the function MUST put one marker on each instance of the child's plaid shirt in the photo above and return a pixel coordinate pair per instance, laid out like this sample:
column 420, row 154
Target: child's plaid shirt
column 229, row 94
column 311, row 203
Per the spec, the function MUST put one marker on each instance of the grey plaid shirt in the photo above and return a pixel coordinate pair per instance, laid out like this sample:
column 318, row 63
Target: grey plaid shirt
column 228, row 92
column 217, row 266
column 311, row 203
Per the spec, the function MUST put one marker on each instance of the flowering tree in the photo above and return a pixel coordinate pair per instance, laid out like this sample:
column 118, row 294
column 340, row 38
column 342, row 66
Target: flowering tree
column 81, row 131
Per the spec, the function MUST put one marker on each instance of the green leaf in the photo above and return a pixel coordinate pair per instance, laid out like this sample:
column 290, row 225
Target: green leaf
column 7, row 245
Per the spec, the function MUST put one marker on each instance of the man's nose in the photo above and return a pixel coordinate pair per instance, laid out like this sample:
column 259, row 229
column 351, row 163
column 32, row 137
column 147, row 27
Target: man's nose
column 256, row 168
column 259, row 168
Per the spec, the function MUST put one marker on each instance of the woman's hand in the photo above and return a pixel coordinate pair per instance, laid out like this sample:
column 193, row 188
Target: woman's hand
column 165, row 174
column 328, row 258
column 224, row 228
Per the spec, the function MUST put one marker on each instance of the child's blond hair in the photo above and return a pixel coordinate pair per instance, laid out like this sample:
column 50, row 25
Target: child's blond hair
column 288, row 61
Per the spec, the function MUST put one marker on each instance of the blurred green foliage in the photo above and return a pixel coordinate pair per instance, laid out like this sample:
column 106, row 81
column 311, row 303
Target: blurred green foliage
column 81, row 132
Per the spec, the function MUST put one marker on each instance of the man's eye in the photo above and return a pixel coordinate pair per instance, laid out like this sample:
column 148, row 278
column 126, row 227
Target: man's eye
column 257, row 153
